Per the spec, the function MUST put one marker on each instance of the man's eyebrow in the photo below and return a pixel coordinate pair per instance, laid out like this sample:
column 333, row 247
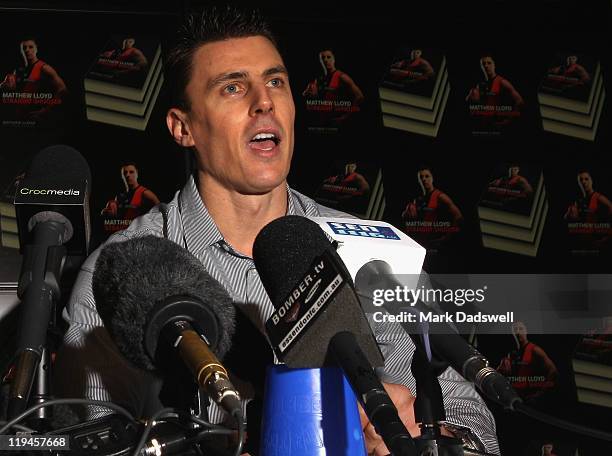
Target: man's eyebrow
column 278, row 69
column 227, row 77
column 242, row 75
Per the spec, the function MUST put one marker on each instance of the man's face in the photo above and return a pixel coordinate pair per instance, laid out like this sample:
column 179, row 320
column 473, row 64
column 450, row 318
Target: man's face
column 415, row 54
column 572, row 59
column 350, row 168
column 29, row 49
column 327, row 59
column 547, row 449
column 130, row 175
column 514, row 170
column 488, row 65
column 586, row 181
column 426, row 179
column 242, row 114
column 128, row 43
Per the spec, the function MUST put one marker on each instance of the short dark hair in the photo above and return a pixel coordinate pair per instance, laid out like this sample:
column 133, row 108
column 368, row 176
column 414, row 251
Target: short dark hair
column 129, row 163
column 206, row 26
column 28, row 38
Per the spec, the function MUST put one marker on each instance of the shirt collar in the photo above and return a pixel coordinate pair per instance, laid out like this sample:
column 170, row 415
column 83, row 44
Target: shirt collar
column 199, row 228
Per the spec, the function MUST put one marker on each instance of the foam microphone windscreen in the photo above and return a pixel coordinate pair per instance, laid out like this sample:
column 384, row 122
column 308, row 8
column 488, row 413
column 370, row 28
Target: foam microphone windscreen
column 133, row 278
column 284, row 252
column 58, row 165
column 288, row 245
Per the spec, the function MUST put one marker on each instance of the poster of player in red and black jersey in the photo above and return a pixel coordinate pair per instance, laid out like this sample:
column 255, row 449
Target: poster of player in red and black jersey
column 571, row 75
column 33, row 90
column 125, row 60
column 431, row 217
column 332, row 97
column 134, row 200
column 415, row 71
column 352, row 186
column 589, row 218
column 493, row 102
column 528, row 367
column 513, row 187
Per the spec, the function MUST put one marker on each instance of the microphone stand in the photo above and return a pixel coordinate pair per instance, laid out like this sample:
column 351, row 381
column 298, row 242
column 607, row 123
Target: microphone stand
column 429, row 406
column 43, row 264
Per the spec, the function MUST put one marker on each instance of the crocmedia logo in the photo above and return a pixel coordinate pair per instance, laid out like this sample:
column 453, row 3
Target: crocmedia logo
column 42, row 191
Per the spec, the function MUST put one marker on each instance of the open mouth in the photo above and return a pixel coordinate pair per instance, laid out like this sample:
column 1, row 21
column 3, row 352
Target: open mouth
column 266, row 137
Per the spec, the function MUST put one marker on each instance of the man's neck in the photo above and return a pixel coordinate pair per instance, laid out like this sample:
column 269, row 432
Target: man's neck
column 241, row 217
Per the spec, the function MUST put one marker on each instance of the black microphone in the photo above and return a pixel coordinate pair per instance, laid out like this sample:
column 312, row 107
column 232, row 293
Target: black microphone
column 52, row 208
column 152, row 295
column 446, row 344
column 318, row 319
column 56, row 188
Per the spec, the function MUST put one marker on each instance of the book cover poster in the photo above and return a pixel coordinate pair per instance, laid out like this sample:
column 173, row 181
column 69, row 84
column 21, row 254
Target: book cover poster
column 350, row 186
column 528, row 367
column 493, row 101
column 430, row 215
column 125, row 60
column 596, row 349
column 332, row 97
column 131, row 200
column 511, row 188
column 32, row 86
column 589, row 215
column 414, row 71
column 569, row 75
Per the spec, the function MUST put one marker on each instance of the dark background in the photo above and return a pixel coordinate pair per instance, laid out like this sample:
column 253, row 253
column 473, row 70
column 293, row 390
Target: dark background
column 364, row 38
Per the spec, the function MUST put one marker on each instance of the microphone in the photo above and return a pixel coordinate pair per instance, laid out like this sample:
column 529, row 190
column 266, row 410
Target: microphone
column 56, row 188
column 446, row 344
column 153, row 295
column 52, row 208
column 376, row 254
column 318, row 319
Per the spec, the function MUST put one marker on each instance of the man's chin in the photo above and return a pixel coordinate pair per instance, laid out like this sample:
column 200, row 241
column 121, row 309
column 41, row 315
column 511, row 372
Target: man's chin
column 263, row 189
column 263, row 186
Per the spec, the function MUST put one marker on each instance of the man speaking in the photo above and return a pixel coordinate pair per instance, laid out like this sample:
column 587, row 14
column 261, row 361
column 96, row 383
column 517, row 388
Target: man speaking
column 232, row 105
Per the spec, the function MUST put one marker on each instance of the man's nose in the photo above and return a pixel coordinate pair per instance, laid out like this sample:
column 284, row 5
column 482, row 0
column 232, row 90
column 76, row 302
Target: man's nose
column 262, row 101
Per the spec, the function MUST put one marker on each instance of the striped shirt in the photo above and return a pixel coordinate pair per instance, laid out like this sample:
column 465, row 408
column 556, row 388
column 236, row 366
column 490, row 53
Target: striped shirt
column 89, row 365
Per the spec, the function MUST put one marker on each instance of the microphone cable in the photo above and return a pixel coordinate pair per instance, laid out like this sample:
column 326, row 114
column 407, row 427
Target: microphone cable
column 563, row 424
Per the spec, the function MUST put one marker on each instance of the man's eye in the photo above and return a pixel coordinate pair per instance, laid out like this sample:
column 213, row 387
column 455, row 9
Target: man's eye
column 232, row 88
column 276, row 82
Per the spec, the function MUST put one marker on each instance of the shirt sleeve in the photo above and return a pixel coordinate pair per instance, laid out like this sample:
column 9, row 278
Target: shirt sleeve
column 463, row 405
column 89, row 365
column 465, row 409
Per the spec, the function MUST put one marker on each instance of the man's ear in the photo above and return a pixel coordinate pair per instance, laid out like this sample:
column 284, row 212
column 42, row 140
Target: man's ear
column 176, row 120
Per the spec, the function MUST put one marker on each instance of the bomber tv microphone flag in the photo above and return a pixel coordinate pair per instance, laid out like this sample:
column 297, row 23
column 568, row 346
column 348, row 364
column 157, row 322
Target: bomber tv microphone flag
column 52, row 205
column 318, row 320
column 155, row 297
